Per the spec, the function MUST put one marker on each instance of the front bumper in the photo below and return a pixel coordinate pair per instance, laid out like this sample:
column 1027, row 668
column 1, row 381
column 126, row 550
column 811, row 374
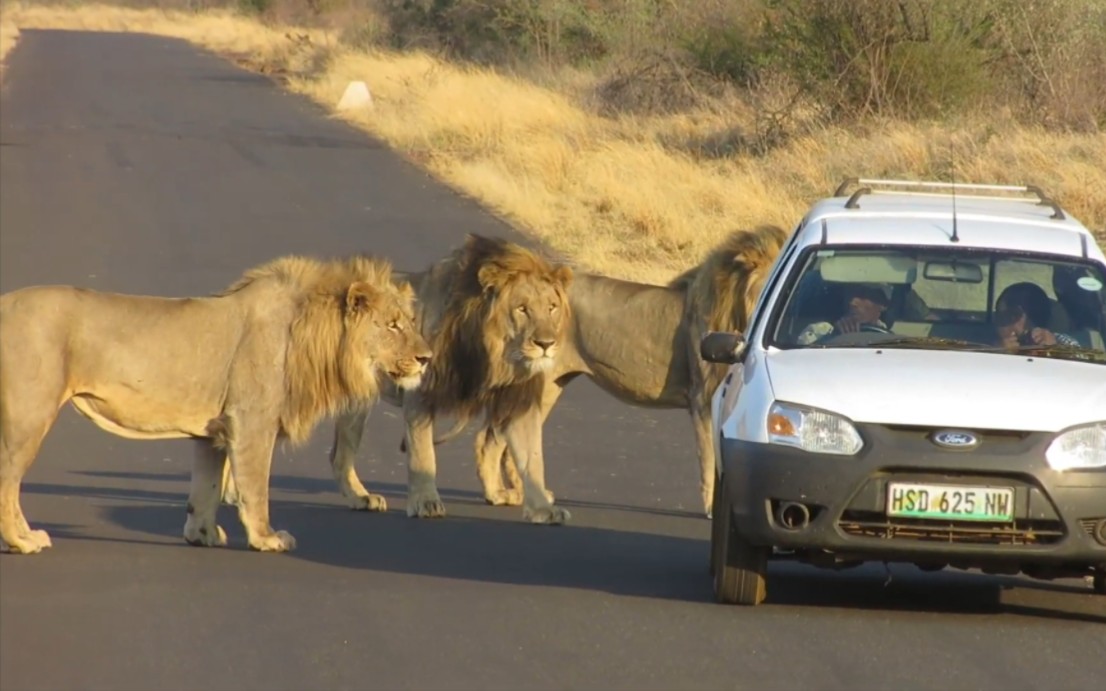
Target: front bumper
column 1056, row 515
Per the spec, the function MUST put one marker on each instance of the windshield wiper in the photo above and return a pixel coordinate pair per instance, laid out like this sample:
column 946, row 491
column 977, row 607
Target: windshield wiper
column 921, row 342
column 1061, row 350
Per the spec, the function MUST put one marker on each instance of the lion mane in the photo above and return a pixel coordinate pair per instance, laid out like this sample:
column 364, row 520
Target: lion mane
column 317, row 382
column 290, row 342
column 722, row 291
column 472, row 372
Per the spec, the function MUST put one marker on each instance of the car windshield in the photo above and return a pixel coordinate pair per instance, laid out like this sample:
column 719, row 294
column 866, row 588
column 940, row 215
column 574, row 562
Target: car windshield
column 951, row 299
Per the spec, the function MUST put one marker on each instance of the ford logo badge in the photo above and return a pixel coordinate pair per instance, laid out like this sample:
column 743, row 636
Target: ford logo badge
column 955, row 439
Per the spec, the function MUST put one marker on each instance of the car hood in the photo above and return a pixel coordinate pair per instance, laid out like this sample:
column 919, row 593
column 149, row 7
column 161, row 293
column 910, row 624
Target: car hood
column 941, row 388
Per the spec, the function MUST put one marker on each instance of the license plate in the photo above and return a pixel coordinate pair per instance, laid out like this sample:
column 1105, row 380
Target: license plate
column 950, row 502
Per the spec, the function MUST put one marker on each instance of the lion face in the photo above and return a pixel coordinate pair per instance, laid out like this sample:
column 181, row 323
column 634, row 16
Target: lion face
column 529, row 317
column 381, row 334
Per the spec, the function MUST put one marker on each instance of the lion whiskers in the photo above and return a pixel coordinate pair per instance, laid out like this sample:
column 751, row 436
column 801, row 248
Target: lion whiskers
column 541, row 364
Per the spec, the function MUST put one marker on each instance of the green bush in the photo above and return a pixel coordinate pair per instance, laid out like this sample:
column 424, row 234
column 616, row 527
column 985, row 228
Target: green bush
column 914, row 58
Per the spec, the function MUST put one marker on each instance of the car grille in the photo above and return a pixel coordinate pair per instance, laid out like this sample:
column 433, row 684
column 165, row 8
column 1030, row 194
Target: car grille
column 1020, row 532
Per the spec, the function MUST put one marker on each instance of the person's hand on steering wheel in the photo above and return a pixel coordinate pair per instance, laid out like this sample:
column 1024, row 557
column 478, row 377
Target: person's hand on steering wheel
column 847, row 324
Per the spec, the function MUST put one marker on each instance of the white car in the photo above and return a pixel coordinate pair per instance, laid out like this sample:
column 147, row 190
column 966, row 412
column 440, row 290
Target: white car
column 923, row 380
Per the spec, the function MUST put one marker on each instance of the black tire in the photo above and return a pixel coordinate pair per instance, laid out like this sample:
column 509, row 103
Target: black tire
column 739, row 568
column 1100, row 582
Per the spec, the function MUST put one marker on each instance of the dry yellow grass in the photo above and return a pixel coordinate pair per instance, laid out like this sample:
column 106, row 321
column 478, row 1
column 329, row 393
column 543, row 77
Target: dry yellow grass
column 9, row 34
column 624, row 196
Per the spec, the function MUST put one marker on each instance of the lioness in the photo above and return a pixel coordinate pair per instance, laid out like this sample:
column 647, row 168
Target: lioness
column 640, row 343
column 495, row 314
column 290, row 342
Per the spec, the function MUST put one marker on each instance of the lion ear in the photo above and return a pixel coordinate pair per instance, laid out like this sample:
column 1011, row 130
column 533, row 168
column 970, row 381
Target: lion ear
column 563, row 275
column 406, row 290
column 492, row 276
column 361, row 297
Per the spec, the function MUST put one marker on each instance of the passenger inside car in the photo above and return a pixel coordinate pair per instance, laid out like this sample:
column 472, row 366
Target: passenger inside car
column 1022, row 312
column 1077, row 311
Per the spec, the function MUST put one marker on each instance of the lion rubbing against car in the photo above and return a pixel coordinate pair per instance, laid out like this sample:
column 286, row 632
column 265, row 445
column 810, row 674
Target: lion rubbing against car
column 291, row 342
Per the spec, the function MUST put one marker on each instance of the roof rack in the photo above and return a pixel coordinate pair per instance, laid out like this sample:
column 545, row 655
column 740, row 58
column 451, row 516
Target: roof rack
column 875, row 186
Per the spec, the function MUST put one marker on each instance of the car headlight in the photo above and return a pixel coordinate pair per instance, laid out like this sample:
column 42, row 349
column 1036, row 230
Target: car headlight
column 1079, row 448
column 812, row 430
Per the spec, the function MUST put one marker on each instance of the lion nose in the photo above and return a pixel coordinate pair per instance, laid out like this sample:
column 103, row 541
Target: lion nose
column 544, row 343
column 423, row 359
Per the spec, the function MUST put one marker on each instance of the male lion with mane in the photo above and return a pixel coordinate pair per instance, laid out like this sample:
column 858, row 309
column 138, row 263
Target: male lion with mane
column 495, row 314
column 640, row 343
column 291, row 342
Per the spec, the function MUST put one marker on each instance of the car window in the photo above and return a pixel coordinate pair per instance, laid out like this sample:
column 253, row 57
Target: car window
column 944, row 298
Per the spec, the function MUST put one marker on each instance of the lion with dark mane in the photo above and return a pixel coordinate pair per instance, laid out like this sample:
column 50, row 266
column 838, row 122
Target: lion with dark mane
column 640, row 343
column 495, row 314
column 293, row 341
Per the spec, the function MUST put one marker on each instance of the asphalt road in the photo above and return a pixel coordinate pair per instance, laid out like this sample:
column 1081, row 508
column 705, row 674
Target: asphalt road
column 138, row 164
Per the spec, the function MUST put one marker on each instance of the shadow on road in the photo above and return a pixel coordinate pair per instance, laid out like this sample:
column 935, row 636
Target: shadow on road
column 328, row 488
column 590, row 558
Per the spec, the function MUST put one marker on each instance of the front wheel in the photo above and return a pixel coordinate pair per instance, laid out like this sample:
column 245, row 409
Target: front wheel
column 739, row 568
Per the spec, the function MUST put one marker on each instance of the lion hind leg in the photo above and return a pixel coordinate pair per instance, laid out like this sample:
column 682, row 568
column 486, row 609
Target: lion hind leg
column 492, row 465
column 20, row 441
column 200, row 526
column 348, row 430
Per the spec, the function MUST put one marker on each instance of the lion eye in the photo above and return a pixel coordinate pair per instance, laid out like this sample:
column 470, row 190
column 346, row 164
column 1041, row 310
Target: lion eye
column 522, row 309
column 394, row 325
column 553, row 308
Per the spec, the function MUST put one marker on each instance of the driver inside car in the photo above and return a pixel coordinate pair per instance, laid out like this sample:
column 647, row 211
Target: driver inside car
column 864, row 306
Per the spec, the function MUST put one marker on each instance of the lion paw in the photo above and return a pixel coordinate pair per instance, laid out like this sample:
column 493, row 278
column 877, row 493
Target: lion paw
column 504, row 497
column 279, row 541
column 425, row 504
column 204, row 535
column 31, row 542
column 510, row 497
column 548, row 515
column 41, row 538
column 367, row 502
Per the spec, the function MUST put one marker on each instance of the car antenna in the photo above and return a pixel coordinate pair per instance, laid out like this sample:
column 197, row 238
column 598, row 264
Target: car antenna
column 952, row 160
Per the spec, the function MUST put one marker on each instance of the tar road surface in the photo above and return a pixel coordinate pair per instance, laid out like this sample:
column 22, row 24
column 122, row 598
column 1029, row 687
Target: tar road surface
column 140, row 164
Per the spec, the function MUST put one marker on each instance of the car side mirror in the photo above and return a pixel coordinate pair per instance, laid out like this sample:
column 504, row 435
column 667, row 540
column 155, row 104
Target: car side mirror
column 723, row 347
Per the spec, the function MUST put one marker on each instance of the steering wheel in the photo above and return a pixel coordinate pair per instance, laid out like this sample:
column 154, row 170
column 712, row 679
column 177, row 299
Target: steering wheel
column 875, row 328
